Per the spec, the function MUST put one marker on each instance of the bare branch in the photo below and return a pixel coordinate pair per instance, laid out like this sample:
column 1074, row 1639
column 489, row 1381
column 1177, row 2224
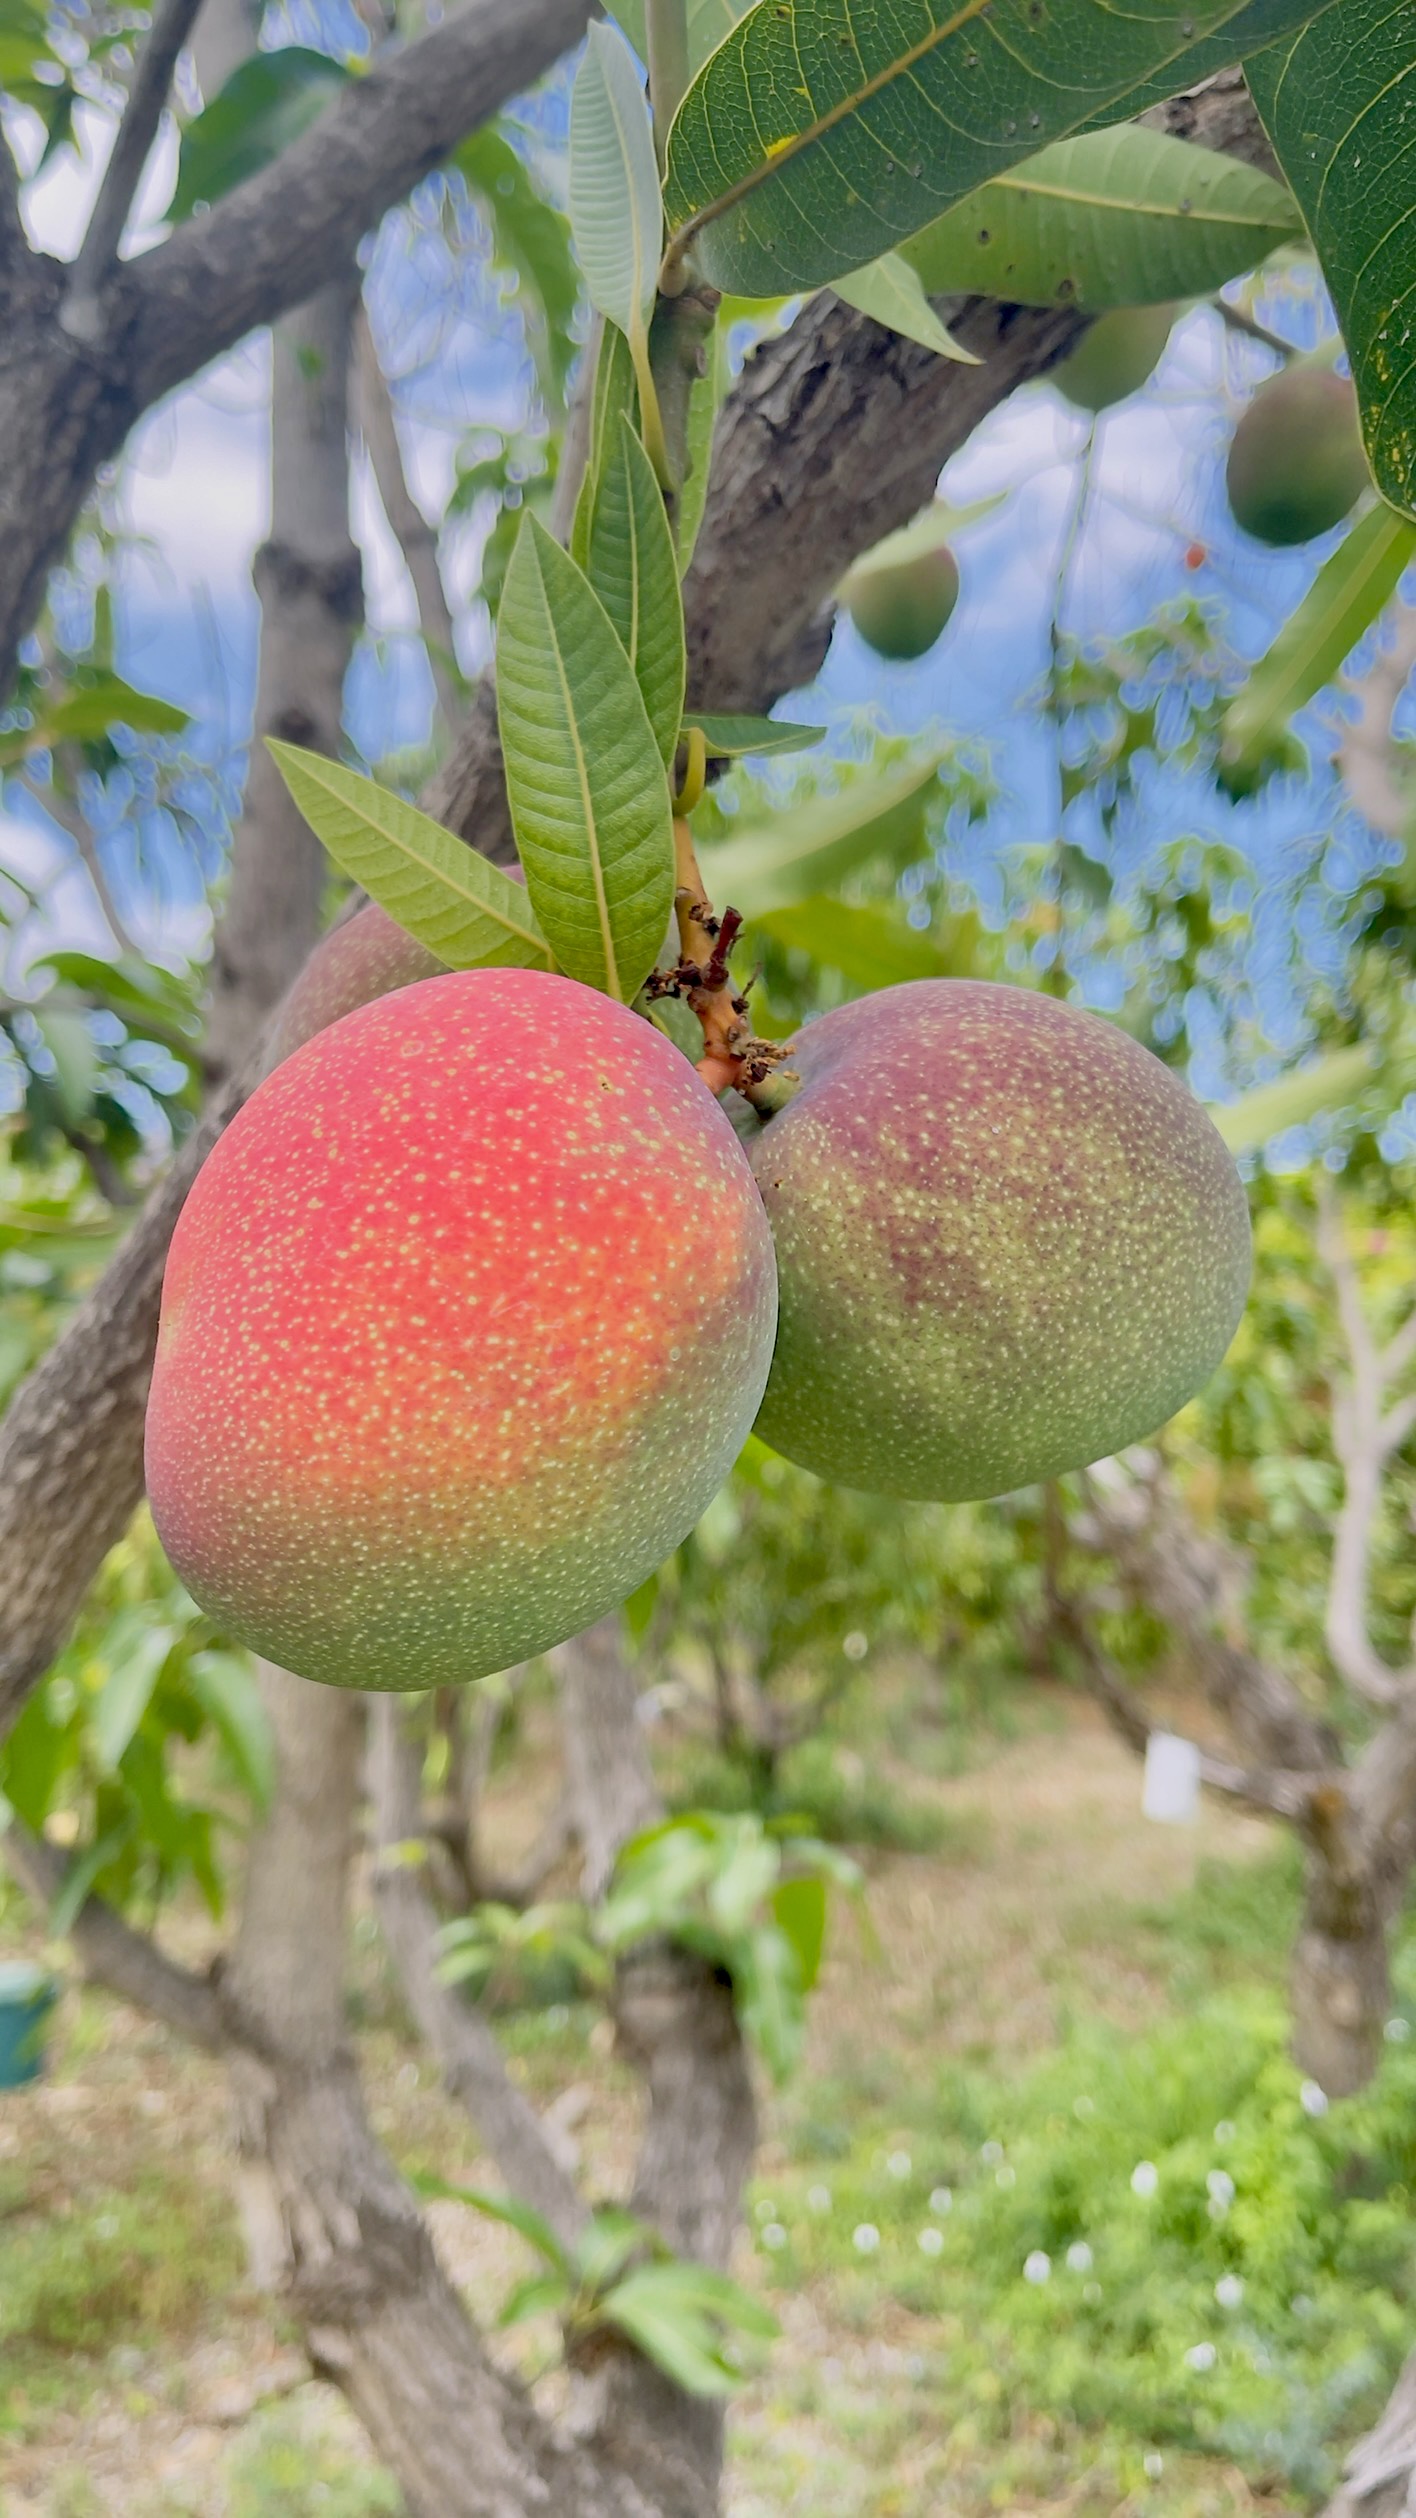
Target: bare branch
column 278, row 237
column 69, row 818
column 124, row 1962
column 463, row 2046
column 81, row 312
column 1367, row 757
column 1363, row 1438
column 416, row 538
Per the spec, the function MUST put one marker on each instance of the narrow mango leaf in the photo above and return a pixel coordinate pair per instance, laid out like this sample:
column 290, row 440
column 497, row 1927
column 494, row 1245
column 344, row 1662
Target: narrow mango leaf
column 821, row 133
column 891, row 292
column 584, row 774
column 1328, row 1084
column 225, row 1686
column 1337, row 104
column 788, row 856
column 507, row 2209
column 727, row 737
column 530, row 238
column 127, row 1692
column 616, row 215
column 937, row 526
column 1349, row 592
column 1125, row 217
column 613, row 394
column 1246, row 32
column 800, row 1909
column 456, row 902
column 269, row 101
column 633, row 567
column 870, row 947
column 83, row 1871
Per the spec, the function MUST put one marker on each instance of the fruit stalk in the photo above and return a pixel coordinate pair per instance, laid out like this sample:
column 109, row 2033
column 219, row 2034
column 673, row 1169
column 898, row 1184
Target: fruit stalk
column 701, row 977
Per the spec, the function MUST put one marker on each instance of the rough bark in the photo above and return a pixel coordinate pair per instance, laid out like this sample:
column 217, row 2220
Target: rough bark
column 676, row 2022
column 67, row 404
column 1379, row 2478
column 111, row 1954
column 333, row 2225
column 309, row 580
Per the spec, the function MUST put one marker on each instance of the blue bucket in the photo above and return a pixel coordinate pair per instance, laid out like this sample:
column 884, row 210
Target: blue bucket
column 27, row 1996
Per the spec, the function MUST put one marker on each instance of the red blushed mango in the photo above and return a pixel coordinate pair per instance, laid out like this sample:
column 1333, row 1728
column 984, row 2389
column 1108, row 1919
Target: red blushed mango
column 464, row 1321
column 1009, row 1241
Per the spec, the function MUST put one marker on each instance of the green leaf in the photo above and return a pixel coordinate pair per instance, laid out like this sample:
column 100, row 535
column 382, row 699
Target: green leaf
column 706, row 397
column 788, row 856
column 1247, row 31
column 633, row 568
column 675, row 2313
column 530, row 238
column 821, row 133
column 513, row 2214
column 538, row 2294
column 1337, row 105
column 892, row 293
column 224, row 1685
column 708, row 22
column 33, row 1758
column 462, row 907
column 613, row 395
column 126, row 1693
column 726, row 737
column 266, row 103
column 871, row 947
column 800, row 1908
column 1330, row 1083
column 584, row 774
column 770, row 2001
column 1125, row 217
column 74, row 1051
column 1351, row 588
column 937, row 526
column 615, row 210
column 73, row 1890
column 108, row 701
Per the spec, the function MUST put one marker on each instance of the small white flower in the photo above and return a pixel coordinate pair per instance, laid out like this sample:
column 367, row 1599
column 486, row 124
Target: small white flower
column 774, row 2236
column 1145, row 2177
column 1154, row 2465
column 1261, row 2360
column 1005, row 2176
column 819, row 2198
column 765, row 2211
column 1038, row 2267
column 1224, row 2131
column 106, row 2226
column 1092, row 2294
column 992, row 2152
column 1312, row 2099
column 1201, row 2356
column 942, row 2200
column 899, row 2164
column 865, row 2238
column 1219, row 2186
column 1084, row 2107
column 1079, row 2256
column 1302, row 2306
column 1397, row 2031
column 1229, row 2290
column 855, row 1646
column 931, row 2240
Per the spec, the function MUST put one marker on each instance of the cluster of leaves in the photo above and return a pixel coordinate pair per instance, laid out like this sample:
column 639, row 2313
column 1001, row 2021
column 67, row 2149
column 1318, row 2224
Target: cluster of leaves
column 748, row 1895
column 1170, row 2236
column 101, row 1760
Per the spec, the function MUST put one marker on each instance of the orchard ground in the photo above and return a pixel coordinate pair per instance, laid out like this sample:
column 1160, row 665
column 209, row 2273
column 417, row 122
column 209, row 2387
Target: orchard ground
column 1061, row 1991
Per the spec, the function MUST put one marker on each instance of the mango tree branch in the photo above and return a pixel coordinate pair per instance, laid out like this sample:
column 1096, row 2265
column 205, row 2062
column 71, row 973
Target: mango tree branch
column 82, row 313
column 126, row 1963
column 416, row 538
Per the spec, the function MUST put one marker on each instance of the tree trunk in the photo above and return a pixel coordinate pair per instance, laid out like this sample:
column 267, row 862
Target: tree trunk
column 309, row 580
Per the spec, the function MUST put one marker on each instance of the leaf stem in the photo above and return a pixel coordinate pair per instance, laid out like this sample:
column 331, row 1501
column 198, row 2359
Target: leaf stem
column 667, row 24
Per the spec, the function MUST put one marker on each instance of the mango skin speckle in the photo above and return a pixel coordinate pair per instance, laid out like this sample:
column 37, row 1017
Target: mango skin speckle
column 365, row 957
column 464, row 1321
column 1009, row 1241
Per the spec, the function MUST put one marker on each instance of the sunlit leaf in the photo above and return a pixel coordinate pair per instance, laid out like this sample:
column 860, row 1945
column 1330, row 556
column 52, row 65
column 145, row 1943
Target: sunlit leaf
column 891, row 292
column 784, row 857
column 585, row 777
column 452, row 899
column 727, row 737
column 1330, row 1083
column 1125, row 217
column 615, row 209
column 633, row 567
column 873, row 948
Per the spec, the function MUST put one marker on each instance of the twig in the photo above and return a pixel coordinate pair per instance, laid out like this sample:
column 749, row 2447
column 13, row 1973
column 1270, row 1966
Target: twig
column 82, row 313
column 1365, row 1433
column 125, row 1962
column 69, row 818
column 1239, row 320
column 1367, row 757
column 416, row 538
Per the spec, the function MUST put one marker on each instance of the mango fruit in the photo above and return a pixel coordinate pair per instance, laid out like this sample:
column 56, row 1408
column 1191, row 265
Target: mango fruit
column 1009, row 1241
column 1296, row 465
column 464, row 1321
column 902, row 607
column 1115, row 356
column 364, row 957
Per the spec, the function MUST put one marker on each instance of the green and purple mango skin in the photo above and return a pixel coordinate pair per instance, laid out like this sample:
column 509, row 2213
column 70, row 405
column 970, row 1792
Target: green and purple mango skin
column 1009, row 1242
column 364, row 957
column 1296, row 465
